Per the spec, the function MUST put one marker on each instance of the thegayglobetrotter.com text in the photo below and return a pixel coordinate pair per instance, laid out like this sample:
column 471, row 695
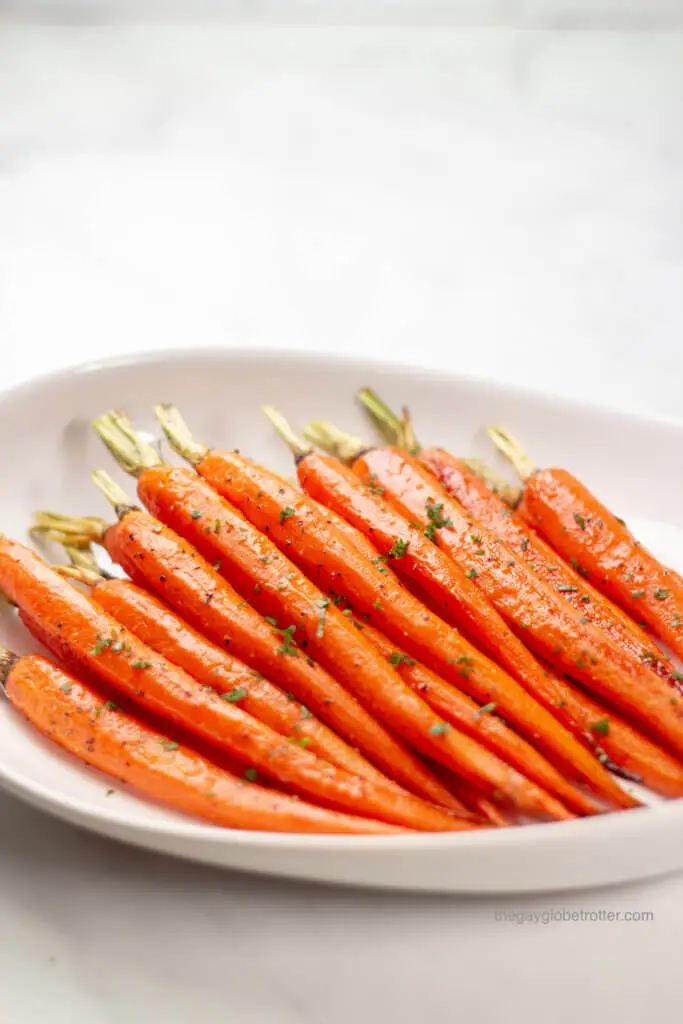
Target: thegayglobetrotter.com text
column 566, row 915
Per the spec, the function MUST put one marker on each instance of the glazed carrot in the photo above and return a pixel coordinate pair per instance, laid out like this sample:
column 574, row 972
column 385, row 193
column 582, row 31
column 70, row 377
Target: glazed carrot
column 155, row 557
column 630, row 641
column 548, row 625
column 327, row 557
column 599, row 545
column 621, row 748
column 323, row 629
column 72, row 714
column 479, row 732
column 122, row 660
column 164, row 631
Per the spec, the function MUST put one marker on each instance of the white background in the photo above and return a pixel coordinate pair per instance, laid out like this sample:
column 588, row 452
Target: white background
column 501, row 202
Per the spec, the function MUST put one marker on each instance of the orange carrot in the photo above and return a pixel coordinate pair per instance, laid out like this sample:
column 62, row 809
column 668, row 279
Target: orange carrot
column 164, row 631
column 471, row 723
column 186, row 501
column 122, row 660
column 598, row 545
column 306, row 537
column 73, row 715
column 155, row 557
column 546, row 623
column 630, row 642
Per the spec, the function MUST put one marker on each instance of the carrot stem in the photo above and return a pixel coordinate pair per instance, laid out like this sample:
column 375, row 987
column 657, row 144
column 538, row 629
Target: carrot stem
column 386, row 423
column 296, row 444
column 179, row 434
column 130, row 451
column 329, row 438
column 510, row 447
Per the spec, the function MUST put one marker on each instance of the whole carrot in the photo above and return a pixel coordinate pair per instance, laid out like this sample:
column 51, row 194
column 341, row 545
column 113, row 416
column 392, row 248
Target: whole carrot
column 322, row 551
column 122, row 660
column 547, row 624
column 481, row 767
column 73, row 715
column 164, row 631
column 599, row 545
column 630, row 641
column 155, row 557
column 324, row 631
column 620, row 747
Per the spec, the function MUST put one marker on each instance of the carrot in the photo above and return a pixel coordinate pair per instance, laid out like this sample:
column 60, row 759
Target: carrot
column 629, row 640
column 599, row 545
column 621, row 748
column 122, row 660
column 155, row 557
column 72, row 714
column 171, row 637
column 548, row 625
column 487, row 743
column 325, row 631
column 322, row 551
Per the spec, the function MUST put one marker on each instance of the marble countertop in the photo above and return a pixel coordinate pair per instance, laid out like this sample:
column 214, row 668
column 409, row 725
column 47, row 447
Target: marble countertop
column 502, row 203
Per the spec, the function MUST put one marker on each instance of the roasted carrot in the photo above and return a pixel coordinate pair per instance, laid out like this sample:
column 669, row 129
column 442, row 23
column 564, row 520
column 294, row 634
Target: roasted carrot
column 620, row 747
column 305, row 536
column 73, row 715
column 549, row 626
column 417, row 559
column 164, row 631
column 121, row 659
column 503, row 776
column 155, row 557
column 322, row 628
column 598, row 545
column 630, row 641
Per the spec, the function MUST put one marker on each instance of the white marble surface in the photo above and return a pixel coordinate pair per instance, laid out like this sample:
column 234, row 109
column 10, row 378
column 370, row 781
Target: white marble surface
column 503, row 203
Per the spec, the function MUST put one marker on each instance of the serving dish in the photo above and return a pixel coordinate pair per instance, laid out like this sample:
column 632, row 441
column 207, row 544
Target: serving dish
column 47, row 449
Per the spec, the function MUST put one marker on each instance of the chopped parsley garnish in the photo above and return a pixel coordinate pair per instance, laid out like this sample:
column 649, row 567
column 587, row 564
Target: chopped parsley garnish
column 398, row 549
column 399, row 658
column 141, row 664
column 525, row 543
column 286, row 513
column 661, row 594
column 216, row 525
column 377, row 605
column 169, row 744
column 437, row 520
column 110, row 706
column 302, row 741
column 471, row 574
column 565, row 588
column 475, row 538
column 580, row 520
column 637, row 593
column 323, row 604
column 678, row 676
column 677, row 621
column 438, row 729
column 250, row 774
column 288, row 643
column 575, row 565
column 485, row 709
column 601, row 727
column 378, row 562
column 466, row 665
column 66, row 687
column 195, row 515
column 270, row 620
column 373, row 486
column 235, row 696
column 586, row 598
column 305, row 713
column 157, row 527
